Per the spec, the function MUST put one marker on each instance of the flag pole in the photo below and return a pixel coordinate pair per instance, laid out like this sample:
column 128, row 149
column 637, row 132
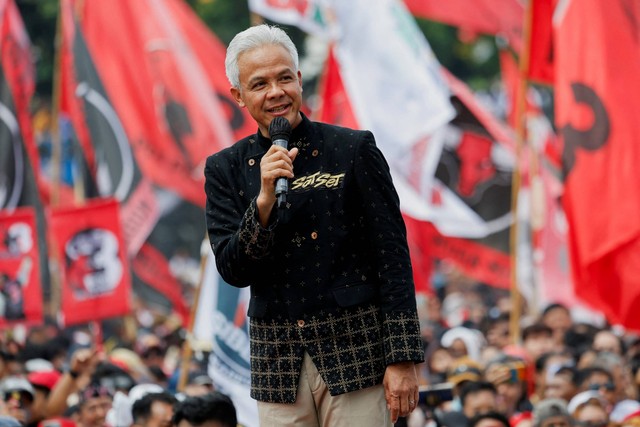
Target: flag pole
column 187, row 348
column 521, row 97
column 56, row 160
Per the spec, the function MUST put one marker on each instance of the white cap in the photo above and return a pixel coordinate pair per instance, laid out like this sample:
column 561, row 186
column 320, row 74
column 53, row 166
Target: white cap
column 584, row 397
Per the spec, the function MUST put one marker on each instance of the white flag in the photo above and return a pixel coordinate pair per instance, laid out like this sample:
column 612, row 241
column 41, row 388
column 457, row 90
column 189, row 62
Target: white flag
column 221, row 320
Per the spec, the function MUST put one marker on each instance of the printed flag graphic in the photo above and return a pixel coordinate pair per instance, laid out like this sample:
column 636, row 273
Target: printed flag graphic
column 89, row 242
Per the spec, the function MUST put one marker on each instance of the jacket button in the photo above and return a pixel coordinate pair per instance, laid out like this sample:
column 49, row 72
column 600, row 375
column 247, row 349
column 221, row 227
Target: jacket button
column 314, row 235
column 314, row 153
column 301, row 323
column 252, row 162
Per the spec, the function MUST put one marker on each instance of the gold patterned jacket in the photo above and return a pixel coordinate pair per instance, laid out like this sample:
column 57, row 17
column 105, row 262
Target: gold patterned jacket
column 331, row 273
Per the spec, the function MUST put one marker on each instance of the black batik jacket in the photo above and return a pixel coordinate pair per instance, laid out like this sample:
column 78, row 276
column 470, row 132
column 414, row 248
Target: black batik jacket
column 330, row 274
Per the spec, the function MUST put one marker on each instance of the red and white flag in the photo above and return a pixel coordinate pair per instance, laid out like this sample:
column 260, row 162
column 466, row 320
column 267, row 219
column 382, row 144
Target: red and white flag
column 95, row 273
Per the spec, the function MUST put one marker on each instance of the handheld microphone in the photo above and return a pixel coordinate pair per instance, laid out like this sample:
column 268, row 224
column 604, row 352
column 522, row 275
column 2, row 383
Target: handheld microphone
column 280, row 131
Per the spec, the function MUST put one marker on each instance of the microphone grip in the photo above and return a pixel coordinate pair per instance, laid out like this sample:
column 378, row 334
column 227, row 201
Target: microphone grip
column 282, row 185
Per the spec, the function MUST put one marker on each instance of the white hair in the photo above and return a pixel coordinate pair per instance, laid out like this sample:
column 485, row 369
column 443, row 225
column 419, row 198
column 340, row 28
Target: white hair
column 251, row 38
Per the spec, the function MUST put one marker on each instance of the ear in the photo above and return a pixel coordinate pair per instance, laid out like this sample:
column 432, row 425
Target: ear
column 235, row 92
column 300, row 78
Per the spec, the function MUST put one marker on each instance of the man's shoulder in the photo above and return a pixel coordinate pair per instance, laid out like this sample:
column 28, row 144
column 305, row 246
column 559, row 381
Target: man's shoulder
column 238, row 150
column 329, row 129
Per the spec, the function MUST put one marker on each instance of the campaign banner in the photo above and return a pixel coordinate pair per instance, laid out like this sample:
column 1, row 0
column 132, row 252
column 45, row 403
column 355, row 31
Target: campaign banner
column 20, row 287
column 90, row 248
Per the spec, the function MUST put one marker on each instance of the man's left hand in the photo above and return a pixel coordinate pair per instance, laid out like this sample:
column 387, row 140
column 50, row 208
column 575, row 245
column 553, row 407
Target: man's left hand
column 401, row 389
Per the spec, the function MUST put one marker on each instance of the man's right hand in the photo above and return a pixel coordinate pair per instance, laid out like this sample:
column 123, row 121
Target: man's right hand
column 277, row 162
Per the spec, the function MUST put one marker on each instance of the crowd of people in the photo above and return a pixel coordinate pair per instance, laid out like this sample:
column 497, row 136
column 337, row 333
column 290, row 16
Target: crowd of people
column 565, row 371
column 59, row 378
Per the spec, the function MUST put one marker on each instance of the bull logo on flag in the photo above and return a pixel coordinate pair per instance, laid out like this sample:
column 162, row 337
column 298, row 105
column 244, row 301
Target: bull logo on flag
column 92, row 263
column 590, row 139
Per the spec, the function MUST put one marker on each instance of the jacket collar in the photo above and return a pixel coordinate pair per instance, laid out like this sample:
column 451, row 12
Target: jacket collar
column 298, row 138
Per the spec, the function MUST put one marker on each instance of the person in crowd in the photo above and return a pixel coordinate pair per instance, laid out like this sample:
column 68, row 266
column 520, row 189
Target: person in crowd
column 463, row 370
column 462, row 341
column 198, row 383
column 561, row 384
column 589, row 408
column 153, row 410
column 43, row 382
column 17, row 395
column 551, row 413
column 546, row 367
column 537, row 339
column 213, row 409
column 332, row 306
column 606, row 341
column 489, row 419
column 599, row 380
column 557, row 317
column 626, row 414
column 508, row 375
column 438, row 360
column 94, row 403
column 478, row 398
column 620, row 373
column 496, row 329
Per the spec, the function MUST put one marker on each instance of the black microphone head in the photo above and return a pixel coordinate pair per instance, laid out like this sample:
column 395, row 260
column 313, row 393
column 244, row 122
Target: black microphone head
column 280, row 128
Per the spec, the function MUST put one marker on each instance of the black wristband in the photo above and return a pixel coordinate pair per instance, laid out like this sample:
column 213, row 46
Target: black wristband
column 73, row 374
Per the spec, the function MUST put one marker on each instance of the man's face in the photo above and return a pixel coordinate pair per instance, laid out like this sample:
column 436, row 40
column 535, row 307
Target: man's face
column 479, row 403
column 94, row 412
column 161, row 413
column 270, row 86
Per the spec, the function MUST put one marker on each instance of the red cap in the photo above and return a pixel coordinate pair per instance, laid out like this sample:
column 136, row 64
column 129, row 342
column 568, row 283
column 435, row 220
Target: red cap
column 46, row 379
column 57, row 422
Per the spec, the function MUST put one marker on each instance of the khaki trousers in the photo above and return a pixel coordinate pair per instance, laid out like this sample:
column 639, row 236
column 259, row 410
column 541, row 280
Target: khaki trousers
column 315, row 407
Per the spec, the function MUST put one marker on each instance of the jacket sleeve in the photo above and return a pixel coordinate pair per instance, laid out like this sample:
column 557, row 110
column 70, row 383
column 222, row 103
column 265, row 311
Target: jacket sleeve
column 387, row 234
column 239, row 242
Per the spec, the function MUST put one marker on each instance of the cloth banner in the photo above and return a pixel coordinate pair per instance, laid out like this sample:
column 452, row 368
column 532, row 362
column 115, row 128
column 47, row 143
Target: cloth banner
column 20, row 290
column 95, row 273
column 597, row 65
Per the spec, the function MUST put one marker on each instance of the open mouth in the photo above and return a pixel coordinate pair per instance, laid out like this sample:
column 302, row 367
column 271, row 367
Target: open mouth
column 279, row 110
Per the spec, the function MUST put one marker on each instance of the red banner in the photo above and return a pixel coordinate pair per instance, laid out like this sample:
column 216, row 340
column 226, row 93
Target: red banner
column 335, row 106
column 151, row 266
column 20, row 290
column 597, row 68
column 18, row 179
column 504, row 17
column 541, row 44
column 89, row 245
column 165, row 81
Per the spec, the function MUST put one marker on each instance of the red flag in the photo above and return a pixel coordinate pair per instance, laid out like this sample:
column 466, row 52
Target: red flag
column 504, row 17
column 541, row 44
column 152, row 268
column 89, row 243
column 106, row 148
column 18, row 178
column 163, row 70
column 20, row 291
column 335, row 107
column 597, row 68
